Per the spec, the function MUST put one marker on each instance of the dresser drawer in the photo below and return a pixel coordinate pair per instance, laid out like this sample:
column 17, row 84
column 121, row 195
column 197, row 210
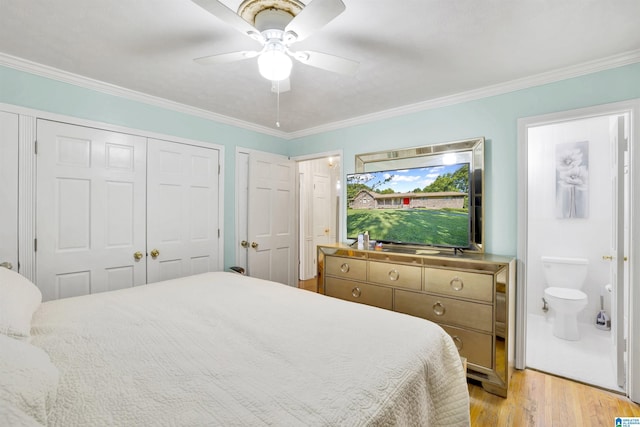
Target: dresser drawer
column 364, row 293
column 461, row 284
column 445, row 310
column 406, row 276
column 475, row 346
column 346, row 267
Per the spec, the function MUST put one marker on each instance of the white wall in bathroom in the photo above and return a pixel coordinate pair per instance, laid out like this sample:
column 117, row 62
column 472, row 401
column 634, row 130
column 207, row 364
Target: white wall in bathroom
column 588, row 238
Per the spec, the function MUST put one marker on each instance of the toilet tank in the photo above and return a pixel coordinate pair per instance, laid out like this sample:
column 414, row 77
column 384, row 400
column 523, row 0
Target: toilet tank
column 564, row 272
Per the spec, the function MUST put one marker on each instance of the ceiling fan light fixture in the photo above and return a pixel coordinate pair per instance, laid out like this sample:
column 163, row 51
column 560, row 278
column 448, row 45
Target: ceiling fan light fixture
column 274, row 64
column 290, row 37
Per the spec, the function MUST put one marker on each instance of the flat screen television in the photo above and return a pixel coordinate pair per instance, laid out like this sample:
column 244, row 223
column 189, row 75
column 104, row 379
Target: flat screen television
column 425, row 206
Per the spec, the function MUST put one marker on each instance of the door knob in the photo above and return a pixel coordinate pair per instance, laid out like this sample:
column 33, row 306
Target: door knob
column 6, row 265
column 137, row 256
column 244, row 244
column 155, row 253
column 254, row 245
column 610, row 258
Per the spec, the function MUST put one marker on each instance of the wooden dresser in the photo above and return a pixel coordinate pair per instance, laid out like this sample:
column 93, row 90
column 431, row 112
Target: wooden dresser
column 471, row 296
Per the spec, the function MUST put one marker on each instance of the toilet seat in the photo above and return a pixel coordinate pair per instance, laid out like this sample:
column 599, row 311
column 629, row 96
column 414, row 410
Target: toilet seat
column 566, row 293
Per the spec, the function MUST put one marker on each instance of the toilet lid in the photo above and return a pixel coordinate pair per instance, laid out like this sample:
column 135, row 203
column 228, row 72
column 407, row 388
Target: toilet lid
column 565, row 293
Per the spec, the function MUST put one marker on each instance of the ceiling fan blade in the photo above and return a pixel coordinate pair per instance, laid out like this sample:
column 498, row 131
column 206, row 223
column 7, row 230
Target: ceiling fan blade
column 314, row 16
column 222, row 12
column 327, row 62
column 281, row 86
column 223, row 58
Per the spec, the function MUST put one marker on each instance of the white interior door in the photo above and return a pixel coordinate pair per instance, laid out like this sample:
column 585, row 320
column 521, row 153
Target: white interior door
column 242, row 209
column 617, row 255
column 305, row 223
column 9, row 189
column 323, row 217
column 182, row 210
column 90, row 219
column 271, row 224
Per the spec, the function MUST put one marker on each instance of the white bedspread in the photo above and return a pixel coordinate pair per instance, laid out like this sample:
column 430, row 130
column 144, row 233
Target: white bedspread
column 224, row 349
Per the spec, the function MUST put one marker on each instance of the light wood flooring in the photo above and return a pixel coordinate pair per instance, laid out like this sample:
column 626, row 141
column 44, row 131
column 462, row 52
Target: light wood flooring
column 309, row 285
column 539, row 399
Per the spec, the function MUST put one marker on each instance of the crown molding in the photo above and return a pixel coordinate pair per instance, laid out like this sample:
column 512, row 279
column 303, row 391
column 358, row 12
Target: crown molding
column 614, row 61
column 110, row 89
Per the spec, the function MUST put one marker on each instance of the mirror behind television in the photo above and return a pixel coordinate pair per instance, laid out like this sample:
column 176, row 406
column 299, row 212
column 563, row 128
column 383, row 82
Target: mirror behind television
column 422, row 197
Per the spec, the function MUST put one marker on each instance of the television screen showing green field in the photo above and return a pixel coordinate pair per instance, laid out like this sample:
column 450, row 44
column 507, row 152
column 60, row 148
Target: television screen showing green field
column 424, row 206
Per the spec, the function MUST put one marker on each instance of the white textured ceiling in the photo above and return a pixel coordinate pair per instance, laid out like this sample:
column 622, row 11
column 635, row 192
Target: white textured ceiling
column 410, row 51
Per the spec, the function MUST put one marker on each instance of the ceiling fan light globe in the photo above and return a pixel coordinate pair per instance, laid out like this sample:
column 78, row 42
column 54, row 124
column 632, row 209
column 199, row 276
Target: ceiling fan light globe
column 274, row 65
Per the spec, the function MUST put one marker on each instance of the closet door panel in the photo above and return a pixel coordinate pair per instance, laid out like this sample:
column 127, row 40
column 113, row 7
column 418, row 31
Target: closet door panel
column 183, row 206
column 90, row 217
column 9, row 189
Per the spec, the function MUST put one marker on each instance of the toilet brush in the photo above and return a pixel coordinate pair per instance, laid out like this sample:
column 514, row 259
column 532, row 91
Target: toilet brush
column 602, row 319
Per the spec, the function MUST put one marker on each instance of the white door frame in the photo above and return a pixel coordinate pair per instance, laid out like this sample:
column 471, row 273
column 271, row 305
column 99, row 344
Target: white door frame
column 241, row 206
column 301, row 221
column 633, row 344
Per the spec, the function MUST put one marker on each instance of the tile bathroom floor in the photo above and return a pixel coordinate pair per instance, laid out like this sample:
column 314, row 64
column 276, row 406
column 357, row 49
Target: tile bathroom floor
column 589, row 360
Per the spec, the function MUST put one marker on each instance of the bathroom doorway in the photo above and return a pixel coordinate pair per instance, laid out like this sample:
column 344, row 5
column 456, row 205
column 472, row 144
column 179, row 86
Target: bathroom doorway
column 318, row 209
column 575, row 202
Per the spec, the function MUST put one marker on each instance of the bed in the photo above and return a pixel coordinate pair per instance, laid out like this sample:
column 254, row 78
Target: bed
column 221, row 349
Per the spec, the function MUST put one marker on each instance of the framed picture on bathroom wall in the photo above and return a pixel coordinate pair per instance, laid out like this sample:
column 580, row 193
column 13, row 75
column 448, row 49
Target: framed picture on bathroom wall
column 572, row 179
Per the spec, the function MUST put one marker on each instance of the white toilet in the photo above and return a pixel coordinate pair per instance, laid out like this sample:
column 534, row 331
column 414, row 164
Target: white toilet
column 564, row 279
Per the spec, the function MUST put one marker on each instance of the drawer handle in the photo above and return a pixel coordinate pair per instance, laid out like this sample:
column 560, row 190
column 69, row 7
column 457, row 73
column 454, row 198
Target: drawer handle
column 356, row 292
column 457, row 341
column 438, row 308
column 394, row 275
column 344, row 268
column 456, row 284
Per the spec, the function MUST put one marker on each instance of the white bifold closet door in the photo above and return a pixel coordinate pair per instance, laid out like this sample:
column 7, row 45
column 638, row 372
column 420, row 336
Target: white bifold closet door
column 117, row 210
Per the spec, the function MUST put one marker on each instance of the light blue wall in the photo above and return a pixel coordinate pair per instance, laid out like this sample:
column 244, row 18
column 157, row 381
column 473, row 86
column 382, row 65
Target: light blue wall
column 39, row 93
column 495, row 118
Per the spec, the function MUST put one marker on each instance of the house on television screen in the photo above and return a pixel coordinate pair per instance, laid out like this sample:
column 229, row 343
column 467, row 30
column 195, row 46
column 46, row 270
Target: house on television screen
column 437, row 200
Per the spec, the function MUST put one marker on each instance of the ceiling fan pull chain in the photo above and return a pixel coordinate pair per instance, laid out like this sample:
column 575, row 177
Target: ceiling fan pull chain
column 278, row 104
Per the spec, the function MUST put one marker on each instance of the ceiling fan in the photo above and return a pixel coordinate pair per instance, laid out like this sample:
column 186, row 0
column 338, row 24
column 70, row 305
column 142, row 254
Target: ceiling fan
column 277, row 24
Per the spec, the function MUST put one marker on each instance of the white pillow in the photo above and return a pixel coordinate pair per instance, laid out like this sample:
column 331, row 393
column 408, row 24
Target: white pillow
column 19, row 299
column 28, row 379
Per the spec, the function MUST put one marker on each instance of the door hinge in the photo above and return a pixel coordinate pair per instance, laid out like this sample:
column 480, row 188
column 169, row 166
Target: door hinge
column 218, row 168
column 218, row 233
column 35, row 245
column 35, row 147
